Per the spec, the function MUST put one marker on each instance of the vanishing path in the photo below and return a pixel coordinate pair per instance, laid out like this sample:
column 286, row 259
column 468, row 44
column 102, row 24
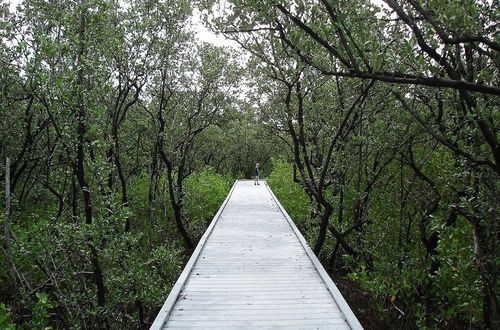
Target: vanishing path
column 253, row 270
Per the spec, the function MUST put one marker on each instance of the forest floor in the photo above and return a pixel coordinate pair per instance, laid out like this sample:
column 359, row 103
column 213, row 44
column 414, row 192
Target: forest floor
column 374, row 313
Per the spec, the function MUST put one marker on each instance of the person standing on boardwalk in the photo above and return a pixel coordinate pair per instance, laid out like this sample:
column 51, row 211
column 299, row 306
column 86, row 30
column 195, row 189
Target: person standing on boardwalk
column 257, row 166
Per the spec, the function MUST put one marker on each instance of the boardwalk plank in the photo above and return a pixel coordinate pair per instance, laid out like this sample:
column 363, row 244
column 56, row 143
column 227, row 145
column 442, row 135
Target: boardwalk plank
column 239, row 316
column 271, row 304
column 256, row 323
column 306, row 327
column 290, row 310
column 291, row 306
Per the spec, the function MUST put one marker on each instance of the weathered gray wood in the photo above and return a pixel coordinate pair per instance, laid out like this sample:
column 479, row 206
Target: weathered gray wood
column 272, row 304
column 6, row 225
column 256, row 323
column 288, row 327
column 286, row 311
column 289, row 306
column 240, row 316
column 253, row 271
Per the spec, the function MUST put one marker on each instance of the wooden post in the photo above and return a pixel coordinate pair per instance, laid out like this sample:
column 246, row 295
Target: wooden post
column 7, row 189
column 6, row 227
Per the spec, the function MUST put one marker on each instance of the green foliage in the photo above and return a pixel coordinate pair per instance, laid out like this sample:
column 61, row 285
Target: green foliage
column 138, row 268
column 290, row 194
column 5, row 318
column 139, row 186
column 458, row 286
column 234, row 148
column 135, row 271
column 40, row 311
column 204, row 193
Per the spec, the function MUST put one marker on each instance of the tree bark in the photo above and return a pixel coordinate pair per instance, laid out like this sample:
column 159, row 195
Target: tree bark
column 491, row 307
column 325, row 217
column 176, row 200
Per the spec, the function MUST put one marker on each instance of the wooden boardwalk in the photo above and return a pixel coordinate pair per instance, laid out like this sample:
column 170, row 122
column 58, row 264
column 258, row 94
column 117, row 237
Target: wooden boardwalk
column 253, row 270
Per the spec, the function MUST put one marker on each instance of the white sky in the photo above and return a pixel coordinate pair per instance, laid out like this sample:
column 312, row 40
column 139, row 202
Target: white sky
column 203, row 34
column 12, row 3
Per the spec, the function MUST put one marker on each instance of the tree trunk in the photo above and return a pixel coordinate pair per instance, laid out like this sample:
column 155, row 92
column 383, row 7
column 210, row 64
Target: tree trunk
column 123, row 183
column 74, row 198
column 491, row 309
column 177, row 206
column 153, row 179
column 325, row 217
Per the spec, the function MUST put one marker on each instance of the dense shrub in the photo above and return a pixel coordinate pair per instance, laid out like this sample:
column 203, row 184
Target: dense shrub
column 137, row 277
column 394, row 271
column 204, row 192
column 291, row 196
column 139, row 267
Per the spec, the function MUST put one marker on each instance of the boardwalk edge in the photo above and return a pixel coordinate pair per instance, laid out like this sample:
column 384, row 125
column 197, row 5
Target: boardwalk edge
column 162, row 316
column 350, row 318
